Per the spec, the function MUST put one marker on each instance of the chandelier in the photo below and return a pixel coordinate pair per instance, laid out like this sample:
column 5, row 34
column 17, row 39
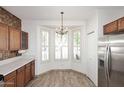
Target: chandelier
column 62, row 30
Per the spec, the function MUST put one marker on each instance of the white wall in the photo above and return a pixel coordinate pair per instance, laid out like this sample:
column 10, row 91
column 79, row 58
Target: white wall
column 33, row 27
column 30, row 27
column 92, row 66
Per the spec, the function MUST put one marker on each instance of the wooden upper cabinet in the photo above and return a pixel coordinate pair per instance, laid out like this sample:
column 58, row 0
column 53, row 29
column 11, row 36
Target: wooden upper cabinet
column 3, row 37
column 111, row 27
column 121, row 24
column 15, row 38
column 24, row 40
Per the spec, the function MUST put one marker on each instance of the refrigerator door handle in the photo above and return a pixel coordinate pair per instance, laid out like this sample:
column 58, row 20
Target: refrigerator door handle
column 109, row 61
column 106, row 63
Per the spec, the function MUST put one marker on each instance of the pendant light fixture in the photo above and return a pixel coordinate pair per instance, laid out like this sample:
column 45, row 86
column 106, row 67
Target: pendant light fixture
column 62, row 30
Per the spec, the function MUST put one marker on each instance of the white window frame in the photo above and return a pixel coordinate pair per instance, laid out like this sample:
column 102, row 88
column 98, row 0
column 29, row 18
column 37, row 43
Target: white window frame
column 61, row 50
column 76, row 46
column 46, row 46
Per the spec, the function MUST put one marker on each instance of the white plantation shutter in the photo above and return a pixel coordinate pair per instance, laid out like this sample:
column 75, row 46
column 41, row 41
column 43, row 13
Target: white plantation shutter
column 76, row 45
column 45, row 45
column 61, row 46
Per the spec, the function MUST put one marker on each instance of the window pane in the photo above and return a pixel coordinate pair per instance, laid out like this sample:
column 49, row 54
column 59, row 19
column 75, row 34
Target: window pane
column 76, row 45
column 61, row 39
column 57, row 53
column 42, row 38
column 61, row 46
column 57, row 39
column 65, row 52
column 76, row 38
column 76, row 53
column 45, row 48
column 65, row 40
column 45, row 53
column 45, row 38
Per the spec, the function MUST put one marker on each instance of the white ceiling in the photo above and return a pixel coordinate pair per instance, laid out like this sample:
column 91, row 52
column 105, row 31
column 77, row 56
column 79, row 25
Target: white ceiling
column 53, row 12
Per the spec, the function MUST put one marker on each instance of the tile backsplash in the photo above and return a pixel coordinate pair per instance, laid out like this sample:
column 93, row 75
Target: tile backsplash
column 8, row 54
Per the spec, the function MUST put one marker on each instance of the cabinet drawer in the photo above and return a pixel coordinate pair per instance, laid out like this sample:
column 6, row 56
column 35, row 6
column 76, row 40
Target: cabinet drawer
column 21, row 69
column 10, row 75
column 33, row 62
column 28, row 65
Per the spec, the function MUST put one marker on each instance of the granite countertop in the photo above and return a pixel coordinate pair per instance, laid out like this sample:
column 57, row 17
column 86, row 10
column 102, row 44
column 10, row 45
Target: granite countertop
column 10, row 65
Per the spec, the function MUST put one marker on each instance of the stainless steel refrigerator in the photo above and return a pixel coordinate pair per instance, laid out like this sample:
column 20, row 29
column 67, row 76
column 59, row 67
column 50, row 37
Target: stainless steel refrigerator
column 111, row 61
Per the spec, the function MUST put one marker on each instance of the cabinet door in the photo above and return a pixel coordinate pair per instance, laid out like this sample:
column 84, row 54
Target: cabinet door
column 27, row 73
column 10, row 80
column 32, row 69
column 15, row 39
column 3, row 37
column 21, row 77
column 24, row 40
column 111, row 28
column 121, row 24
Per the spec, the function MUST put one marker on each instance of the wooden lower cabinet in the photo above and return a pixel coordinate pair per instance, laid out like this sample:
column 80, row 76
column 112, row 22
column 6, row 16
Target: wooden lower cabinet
column 32, row 69
column 10, row 80
column 21, row 77
column 27, row 73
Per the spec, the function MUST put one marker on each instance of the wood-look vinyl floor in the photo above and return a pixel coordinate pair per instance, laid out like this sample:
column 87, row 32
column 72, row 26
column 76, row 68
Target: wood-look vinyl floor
column 61, row 78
